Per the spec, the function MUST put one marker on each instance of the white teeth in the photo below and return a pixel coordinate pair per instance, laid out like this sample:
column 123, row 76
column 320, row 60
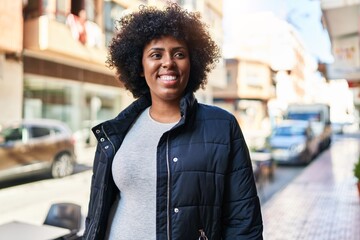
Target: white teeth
column 167, row 78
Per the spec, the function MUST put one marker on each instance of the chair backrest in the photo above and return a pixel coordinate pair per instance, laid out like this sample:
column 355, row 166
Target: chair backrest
column 65, row 215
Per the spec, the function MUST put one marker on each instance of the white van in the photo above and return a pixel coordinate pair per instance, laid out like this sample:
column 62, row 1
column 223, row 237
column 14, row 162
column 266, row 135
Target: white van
column 318, row 116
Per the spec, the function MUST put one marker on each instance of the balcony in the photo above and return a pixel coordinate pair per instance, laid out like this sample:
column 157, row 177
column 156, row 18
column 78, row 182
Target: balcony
column 247, row 80
column 51, row 39
column 342, row 19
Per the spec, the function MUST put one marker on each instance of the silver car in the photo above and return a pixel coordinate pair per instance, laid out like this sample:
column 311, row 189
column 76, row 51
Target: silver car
column 293, row 142
column 32, row 146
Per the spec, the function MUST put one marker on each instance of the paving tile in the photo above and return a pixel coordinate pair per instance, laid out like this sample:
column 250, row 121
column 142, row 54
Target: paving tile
column 322, row 203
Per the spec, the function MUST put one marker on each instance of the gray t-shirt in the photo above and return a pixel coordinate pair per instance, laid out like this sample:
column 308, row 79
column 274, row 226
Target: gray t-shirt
column 133, row 215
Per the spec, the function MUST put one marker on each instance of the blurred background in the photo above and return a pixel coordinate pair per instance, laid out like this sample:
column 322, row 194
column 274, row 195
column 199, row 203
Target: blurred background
column 290, row 73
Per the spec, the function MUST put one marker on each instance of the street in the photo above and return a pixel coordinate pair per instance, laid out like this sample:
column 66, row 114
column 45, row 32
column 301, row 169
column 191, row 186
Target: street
column 30, row 200
column 285, row 174
column 322, row 202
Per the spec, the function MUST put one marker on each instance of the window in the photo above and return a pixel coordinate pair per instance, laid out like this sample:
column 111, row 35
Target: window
column 12, row 134
column 112, row 12
column 228, row 77
column 90, row 10
column 56, row 130
column 54, row 9
column 37, row 132
column 309, row 116
column 61, row 12
column 32, row 9
column 76, row 6
column 290, row 131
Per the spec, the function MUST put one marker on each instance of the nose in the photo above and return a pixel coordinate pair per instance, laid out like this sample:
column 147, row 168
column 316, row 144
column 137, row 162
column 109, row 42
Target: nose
column 168, row 62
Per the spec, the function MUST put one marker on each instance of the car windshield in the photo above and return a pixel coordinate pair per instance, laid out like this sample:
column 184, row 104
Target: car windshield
column 289, row 131
column 310, row 116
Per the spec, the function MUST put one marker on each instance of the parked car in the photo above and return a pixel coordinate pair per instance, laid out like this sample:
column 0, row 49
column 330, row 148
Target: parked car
column 318, row 115
column 293, row 142
column 33, row 146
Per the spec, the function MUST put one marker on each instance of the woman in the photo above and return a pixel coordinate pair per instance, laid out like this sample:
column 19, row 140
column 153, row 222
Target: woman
column 168, row 167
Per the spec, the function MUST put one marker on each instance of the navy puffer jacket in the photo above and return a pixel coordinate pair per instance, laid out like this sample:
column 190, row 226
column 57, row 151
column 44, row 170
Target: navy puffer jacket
column 205, row 183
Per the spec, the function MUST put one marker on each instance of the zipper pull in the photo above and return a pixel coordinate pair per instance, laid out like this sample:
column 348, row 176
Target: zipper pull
column 202, row 235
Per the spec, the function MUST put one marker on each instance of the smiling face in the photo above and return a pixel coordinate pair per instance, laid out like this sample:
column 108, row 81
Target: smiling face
column 166, row 65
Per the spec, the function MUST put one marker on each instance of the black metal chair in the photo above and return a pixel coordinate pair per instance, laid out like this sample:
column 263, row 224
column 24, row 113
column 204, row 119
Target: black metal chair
column 65, row 215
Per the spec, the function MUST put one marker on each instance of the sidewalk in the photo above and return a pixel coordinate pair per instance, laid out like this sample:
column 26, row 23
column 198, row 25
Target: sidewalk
column 322, row 203
column 85, row 154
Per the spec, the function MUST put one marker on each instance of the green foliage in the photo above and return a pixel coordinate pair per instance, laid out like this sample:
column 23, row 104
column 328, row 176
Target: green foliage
column 357, row 169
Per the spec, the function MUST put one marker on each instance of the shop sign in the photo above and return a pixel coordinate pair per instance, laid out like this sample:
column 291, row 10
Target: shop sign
column 347, row 58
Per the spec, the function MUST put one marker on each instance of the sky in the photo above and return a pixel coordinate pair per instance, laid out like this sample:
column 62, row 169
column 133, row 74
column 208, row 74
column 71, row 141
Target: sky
column 303, row 15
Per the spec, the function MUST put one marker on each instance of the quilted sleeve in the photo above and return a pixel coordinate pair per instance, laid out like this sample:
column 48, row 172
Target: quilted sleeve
column 241, row 207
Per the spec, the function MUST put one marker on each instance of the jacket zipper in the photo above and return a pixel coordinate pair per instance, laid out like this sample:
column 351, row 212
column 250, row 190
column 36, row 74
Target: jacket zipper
column 202, row 232
column 168, row 187
column 107, row 137
column 102, row 128
column 202, row 235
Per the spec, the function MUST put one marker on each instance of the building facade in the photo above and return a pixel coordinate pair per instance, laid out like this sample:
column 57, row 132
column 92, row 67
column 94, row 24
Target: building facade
column 342, row 18
column 269, row 69
column 343, row 22
column 52, row 59
column 64, row 54
column 11, row 74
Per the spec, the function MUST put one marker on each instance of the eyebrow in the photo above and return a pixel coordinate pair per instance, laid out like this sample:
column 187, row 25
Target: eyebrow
column 163, row 49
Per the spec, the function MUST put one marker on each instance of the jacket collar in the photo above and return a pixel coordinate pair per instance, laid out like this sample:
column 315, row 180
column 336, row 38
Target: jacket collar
column 187, row 107
column 120, row 125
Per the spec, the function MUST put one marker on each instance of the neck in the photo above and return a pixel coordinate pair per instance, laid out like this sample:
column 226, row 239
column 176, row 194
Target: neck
column 165, row 113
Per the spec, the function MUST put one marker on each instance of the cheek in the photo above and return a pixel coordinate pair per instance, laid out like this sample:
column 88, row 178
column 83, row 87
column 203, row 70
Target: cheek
column 187, row 71
column 187, row 65
column 149, row 68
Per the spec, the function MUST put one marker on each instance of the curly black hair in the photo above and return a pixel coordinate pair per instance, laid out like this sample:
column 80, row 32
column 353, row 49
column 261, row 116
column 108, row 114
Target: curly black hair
column 137, row 29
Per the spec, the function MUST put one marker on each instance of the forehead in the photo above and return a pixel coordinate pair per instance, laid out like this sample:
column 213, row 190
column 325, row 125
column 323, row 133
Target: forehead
column 166, row 41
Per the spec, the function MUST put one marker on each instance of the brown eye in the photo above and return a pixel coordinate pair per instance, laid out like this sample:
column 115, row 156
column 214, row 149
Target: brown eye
column 155, row 55
column 179, row 55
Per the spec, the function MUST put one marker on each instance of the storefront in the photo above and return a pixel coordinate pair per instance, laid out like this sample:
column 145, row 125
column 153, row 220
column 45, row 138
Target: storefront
column 79, row 97
column 80, row 105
